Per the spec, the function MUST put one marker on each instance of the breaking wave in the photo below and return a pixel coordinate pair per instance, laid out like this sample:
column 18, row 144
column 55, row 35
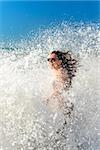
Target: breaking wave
column 26, row 122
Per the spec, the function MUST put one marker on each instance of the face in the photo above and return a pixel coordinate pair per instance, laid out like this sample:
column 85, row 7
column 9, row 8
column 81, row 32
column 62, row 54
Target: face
column 54, row 62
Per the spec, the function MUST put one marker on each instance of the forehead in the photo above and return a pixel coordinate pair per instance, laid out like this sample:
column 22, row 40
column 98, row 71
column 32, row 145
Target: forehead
column 52, row 55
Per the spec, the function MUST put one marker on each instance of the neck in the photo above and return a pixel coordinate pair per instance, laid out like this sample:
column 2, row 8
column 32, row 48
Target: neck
column 61, row 74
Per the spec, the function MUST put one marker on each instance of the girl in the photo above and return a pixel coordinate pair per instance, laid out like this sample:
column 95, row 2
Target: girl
column 64, row 67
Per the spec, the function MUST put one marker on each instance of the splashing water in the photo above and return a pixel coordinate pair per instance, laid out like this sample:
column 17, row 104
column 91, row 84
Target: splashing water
column 25, row 80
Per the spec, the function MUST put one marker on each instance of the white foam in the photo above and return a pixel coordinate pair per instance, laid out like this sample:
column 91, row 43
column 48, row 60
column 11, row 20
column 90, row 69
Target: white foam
column 25, row 80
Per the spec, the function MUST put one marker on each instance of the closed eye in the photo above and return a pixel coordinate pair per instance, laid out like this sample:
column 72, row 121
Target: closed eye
column 51, row 59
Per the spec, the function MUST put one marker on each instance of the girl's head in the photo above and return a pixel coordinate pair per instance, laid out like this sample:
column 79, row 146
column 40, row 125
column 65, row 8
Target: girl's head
column 64, row 60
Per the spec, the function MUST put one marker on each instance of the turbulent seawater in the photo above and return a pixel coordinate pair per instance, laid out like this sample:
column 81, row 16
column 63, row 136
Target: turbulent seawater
column 26, row 123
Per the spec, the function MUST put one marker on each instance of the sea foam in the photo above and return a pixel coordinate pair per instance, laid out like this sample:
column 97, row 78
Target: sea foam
column 25, row 81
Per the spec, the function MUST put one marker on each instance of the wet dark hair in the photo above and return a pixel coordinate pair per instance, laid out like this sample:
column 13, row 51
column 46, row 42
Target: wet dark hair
column 68, row 62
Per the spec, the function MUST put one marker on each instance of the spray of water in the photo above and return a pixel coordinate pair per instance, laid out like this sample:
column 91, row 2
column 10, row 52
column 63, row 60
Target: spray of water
column 26, row 123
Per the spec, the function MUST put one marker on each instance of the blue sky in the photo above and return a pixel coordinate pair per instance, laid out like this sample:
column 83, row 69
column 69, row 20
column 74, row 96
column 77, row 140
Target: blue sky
column 18, row 18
